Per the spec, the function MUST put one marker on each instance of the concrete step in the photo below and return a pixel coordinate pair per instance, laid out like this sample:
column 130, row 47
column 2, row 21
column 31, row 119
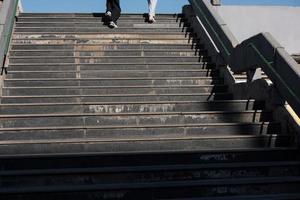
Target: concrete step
column 175, row 52
column 146, row 167
column 137, row 19
column 51, row 146
column 131, row 29
column 147, row 174
column 42, row 134
column 42, row 164
column 102, row 47
column 117, row 98
column 107, row 59
column 112, row 74
column 105, row 35
column 105, row 41
column 277, row 196
column 132, row 119
column 64, row 82
column 94, row 15
column 100, row 23
column 107, row 90
column 133, row 107
column 109, row 66
column 166, row 189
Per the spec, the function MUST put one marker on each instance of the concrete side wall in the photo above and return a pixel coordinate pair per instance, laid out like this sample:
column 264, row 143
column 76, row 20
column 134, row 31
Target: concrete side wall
column 1, row 2
column 282, row 22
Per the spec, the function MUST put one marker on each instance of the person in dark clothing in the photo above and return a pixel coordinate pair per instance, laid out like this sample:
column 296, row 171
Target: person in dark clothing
column 113, row 12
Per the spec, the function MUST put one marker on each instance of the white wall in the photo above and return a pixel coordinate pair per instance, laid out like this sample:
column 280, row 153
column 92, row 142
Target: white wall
column 282, row 22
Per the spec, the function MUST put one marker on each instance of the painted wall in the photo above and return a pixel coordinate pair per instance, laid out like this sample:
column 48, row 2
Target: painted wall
column 282, row 22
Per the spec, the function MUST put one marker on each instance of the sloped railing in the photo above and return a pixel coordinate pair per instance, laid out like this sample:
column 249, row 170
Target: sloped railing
column 7, row 17
column 260, row 51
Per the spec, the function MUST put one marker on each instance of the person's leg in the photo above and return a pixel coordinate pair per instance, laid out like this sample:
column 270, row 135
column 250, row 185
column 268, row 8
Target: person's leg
column 152, row 7
column 108, row 5
column 116, row 12
column 108, row 10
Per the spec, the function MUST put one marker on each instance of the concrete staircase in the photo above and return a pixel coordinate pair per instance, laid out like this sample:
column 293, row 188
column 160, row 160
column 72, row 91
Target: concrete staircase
column 138, row 112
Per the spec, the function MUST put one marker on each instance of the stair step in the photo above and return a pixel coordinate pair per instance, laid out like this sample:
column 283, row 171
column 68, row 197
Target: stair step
column 104, row 41
column 21, row 163
column 129, row 74
column 96, row 20
column 43, row 108
column 78, row 35
column 94, row 15
column 145, row 28
column 109, row 66
column 106, row 59
column 103, row 47
column 84, row 82
column 100, row 23
column 183, row 52
column 279, row 196
column 129, row 119
column 49, row 146
column 113, row 90
column 202, row 185
column 150, row 131
column 117, row 98
column 147, row 175
column 105, row 35
column 212, row 170
column 191, row 162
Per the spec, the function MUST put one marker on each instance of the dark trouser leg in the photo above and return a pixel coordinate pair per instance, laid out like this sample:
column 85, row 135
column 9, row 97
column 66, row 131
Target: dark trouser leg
column 116, row 10
column 108, row 5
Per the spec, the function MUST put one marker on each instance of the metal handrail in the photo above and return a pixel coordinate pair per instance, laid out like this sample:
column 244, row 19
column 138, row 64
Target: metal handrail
column 266, row 53
column 216, row 27
column 227, row 51
column 8, row 23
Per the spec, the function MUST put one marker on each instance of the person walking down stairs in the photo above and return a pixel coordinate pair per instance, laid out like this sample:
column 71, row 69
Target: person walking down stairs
column 152, row 7
column 113, row 12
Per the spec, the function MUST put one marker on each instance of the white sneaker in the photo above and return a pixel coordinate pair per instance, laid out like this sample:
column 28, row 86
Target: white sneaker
column 108, row 14
column 112, row 25
column 151, row 19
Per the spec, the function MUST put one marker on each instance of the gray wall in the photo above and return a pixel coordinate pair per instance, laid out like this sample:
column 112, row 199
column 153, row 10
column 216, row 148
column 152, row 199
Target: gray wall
column 282, row 22
column 1, row 2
